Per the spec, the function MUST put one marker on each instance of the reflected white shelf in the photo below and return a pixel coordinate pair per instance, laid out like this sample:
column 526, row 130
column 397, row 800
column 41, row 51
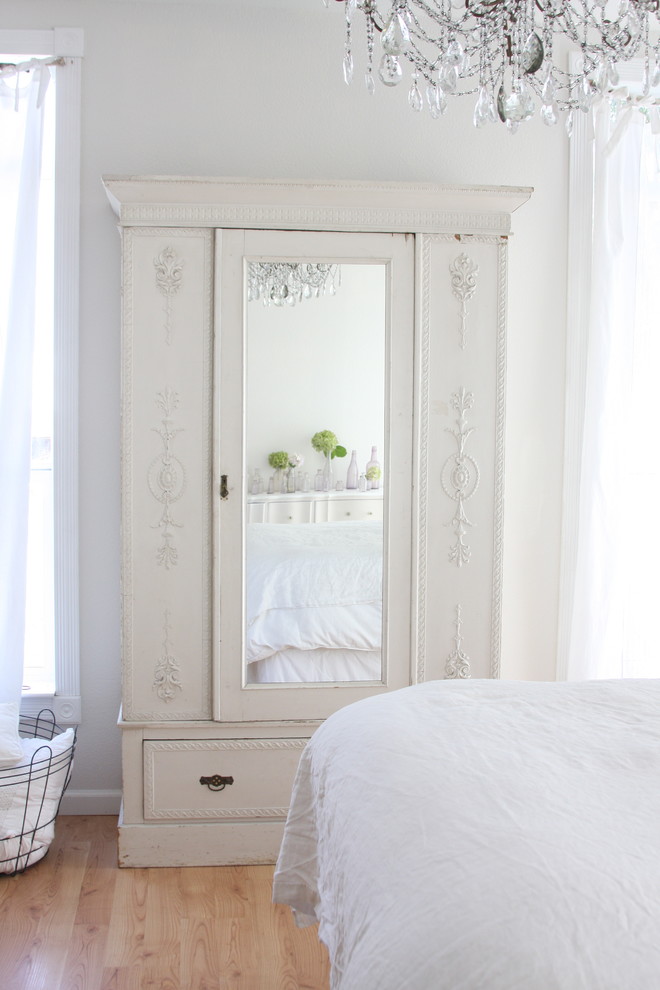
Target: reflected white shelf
column 305, row 507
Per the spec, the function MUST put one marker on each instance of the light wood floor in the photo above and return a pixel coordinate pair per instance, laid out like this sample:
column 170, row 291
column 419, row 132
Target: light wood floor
column 74, row 921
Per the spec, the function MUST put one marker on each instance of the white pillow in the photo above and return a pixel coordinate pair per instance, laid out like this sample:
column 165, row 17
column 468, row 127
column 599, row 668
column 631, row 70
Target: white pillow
column 29, row 800
column 11, row 751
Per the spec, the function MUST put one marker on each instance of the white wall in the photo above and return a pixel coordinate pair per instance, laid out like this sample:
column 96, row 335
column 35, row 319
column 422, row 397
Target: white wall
column 319, row 365
column 255, row 90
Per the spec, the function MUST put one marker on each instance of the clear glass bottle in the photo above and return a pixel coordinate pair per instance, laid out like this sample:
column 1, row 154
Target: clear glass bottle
column 326, row 474
column 373, row 467
column 352, row 473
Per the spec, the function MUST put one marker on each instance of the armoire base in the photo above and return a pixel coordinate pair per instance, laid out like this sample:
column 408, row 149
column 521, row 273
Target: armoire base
column 187, row 844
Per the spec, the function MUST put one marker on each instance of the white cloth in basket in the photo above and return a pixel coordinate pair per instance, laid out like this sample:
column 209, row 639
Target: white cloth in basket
column 30, row 794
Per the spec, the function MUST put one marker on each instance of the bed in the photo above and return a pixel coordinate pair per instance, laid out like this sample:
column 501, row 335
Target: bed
column 314, row 601
column 482, row 835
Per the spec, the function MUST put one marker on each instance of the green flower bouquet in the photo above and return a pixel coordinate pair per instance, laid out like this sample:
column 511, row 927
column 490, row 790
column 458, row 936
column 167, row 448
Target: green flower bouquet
column 279, row 460
column 325, row 442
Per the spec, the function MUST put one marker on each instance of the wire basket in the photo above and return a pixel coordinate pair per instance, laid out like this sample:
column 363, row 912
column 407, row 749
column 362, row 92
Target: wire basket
column 31, row 792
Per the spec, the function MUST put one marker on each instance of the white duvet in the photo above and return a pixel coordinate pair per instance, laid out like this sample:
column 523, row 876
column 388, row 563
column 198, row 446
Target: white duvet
column 313, row 586
column 483, row 835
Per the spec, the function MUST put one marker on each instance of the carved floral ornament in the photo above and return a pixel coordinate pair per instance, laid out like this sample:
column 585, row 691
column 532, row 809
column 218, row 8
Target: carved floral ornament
column 166, row 673
column 460, row 476
column 166, row 478
column 463, row 273
column 169, row 271
column 458, row 662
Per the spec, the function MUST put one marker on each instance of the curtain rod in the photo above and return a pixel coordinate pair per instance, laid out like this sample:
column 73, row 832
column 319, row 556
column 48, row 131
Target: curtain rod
column 13, row 68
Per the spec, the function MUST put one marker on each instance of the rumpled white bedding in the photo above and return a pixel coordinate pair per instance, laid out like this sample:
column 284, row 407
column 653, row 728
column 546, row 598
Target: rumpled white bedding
column 317, row 666
column 483, row 835
column 313, row 585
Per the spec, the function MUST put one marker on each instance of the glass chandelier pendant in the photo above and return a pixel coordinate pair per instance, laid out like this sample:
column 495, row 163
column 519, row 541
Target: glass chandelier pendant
column 501, row 52
column 285, row 283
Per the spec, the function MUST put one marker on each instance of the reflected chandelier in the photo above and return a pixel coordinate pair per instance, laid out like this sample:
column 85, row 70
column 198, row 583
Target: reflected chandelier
column 284, row 283
column 502, row 52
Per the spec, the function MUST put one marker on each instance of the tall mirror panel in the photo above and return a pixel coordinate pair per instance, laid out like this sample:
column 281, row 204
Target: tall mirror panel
column 315, row 470
column 314, row 395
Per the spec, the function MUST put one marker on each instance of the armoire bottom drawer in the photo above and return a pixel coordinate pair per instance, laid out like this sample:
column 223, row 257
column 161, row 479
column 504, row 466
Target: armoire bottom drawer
column 219, row 778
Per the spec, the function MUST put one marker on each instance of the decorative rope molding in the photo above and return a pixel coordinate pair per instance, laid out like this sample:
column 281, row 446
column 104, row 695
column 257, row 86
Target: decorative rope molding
column 498, row 507
column 215, row 813
column 463, row 273
column 167, row 478
column 460, row 476
column 169, row 270
column 166, row 673
column 224, row 745
column 458, row 662
column 425, row 363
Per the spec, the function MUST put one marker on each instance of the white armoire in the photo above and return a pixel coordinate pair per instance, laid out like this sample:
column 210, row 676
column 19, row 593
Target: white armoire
column 208, row 755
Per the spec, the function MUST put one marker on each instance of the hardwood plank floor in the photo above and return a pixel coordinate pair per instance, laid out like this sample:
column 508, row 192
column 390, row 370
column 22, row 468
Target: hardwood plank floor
column 75, row 921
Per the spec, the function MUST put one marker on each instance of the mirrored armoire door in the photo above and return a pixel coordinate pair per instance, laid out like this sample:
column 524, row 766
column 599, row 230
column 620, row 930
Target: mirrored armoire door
column 313, row 459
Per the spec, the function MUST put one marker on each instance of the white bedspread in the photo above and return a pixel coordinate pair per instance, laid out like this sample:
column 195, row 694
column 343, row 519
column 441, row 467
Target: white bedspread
column 313, row 586
column 483, row 835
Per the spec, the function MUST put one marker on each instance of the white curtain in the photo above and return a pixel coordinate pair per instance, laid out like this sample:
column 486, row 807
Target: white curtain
column 21, row 130
column 618, row 547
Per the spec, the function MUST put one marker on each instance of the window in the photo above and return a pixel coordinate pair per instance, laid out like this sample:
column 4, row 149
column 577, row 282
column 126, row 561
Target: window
column 51, row 668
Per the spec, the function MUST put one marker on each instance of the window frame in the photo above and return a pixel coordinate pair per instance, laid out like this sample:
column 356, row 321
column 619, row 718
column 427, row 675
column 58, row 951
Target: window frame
column 67, row 43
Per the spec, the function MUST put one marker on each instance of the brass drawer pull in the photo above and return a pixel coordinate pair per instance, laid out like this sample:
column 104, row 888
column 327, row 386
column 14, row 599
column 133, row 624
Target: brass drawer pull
column 216, row 782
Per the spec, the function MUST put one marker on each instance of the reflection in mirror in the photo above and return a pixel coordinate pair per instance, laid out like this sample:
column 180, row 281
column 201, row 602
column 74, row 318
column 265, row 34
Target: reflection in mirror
column 314, row 543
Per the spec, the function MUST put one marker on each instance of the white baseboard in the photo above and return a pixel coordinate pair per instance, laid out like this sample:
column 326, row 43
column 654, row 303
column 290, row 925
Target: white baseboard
column 90, row 802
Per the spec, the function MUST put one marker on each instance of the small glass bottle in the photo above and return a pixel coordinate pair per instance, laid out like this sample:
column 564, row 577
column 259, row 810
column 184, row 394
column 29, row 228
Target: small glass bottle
column 362, row 483
column 352, row 473
column 318, row 480
column 373, row 467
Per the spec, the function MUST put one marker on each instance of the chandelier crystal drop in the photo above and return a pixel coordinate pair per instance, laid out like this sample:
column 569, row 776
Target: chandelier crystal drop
column 502, row 52
column 283, row 283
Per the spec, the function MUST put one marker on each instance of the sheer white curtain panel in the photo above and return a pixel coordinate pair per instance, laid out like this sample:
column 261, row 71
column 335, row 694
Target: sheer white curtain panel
column 21, row 131
column 612, row 525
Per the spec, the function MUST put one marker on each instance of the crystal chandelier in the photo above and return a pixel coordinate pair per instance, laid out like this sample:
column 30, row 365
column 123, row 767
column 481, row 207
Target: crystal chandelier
column 284, row 283
column 502, row 52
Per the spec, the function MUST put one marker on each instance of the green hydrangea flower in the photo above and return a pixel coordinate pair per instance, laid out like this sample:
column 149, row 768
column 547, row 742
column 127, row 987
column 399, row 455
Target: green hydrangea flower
column 373, row 473
column 324, row 441
column 279, row 460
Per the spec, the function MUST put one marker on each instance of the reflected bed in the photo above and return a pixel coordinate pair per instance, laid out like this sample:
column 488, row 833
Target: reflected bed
column 314, row 601
column 483, row 835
